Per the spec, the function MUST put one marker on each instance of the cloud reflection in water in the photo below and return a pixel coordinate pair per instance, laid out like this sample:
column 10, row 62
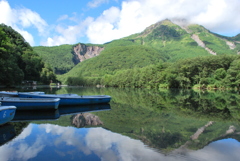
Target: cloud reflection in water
column 47, row 141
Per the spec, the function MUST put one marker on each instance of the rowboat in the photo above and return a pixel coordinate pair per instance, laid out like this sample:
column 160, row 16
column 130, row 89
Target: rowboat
column 8, row 94
column 71, row 99
column 6, row 114
column 31, row 103
column 15, row 93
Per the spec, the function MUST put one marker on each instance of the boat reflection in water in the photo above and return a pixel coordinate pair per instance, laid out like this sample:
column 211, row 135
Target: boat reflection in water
column 7, row 133
column 65, row 110
column 36, row 115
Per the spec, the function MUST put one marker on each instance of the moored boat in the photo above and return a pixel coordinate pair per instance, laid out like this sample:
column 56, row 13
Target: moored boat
column 6, row 113
column 31, row 103
column 15, row 93
column 71, row 99
column 8, row 94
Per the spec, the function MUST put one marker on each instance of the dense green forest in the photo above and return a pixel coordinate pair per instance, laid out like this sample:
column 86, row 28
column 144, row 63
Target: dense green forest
column 164, row 55
column 19, row 62
column 210, row 72
column 60, row 57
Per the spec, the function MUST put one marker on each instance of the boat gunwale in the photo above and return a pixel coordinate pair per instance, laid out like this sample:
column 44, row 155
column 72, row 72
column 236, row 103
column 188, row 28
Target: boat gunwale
column 32, row 100
column 62, row 96
column 2, row 108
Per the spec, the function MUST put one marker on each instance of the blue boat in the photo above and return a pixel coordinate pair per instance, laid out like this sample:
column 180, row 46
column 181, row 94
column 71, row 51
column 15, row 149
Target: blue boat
column 6, row 114
column 15, row 93
column 31, row 103
column 8, row 94
column 71, row 99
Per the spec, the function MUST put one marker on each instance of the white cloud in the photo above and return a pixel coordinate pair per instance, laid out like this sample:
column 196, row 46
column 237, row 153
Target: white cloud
column 21, row 19
column 7, row 16
column 67, row 35
column 96, row 3
column 135, row 15
column 63, row 17
column 29, row 18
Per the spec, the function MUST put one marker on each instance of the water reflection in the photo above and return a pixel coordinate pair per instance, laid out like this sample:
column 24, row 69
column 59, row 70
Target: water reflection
column 7, row 132
column 53, row 142
column 141, row 125
column 34, row 115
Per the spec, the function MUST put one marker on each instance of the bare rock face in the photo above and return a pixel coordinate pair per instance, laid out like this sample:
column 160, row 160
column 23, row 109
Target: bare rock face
column 201, row 43
column 86, row 119
column 83, row 52
column 230, row 44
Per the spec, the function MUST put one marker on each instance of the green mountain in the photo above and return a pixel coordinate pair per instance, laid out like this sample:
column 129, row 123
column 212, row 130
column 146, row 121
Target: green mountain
column 162, row 41
column 153, row 49
column 59, row 57
column 64, row 57
column 18, row 61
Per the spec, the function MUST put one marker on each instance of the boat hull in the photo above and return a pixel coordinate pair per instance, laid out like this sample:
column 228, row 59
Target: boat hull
column 7, row 113
column 72, row 100
column 15, row 94
column 31, row 103
column 8, row 94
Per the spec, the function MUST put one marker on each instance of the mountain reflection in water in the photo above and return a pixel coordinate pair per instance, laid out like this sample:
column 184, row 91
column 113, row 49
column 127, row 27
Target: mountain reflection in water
column 53, row 142
column 139, row 125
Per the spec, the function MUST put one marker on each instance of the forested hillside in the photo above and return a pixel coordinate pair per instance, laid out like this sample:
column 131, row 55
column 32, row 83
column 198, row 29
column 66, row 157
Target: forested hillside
column 59, row 57
column 18, row 61
column 64, row 57
column 164, row 55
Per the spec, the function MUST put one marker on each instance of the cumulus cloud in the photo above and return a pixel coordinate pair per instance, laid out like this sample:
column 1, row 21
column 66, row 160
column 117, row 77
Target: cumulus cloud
column 67, row 34
column 20, row 19
column 29, row 18
column 135, row 15
column 132, row 16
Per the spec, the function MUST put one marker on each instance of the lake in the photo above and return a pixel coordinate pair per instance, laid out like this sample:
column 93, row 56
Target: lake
column 137, row 125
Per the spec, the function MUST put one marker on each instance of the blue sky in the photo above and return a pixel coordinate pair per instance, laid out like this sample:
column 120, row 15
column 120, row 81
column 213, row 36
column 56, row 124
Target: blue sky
column 56, row 22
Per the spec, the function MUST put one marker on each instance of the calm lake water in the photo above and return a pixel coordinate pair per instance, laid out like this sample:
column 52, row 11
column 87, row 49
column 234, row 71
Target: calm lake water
column 138, row 124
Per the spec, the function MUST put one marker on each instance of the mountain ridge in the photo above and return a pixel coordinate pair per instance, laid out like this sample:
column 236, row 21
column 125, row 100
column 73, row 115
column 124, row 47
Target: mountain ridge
column 163, row 41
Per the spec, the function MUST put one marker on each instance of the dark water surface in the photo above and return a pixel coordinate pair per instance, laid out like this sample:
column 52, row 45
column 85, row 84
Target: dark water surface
column 137, row 125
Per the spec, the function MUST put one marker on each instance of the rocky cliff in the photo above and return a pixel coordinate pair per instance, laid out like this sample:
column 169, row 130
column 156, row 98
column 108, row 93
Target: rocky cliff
column 83, row 52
